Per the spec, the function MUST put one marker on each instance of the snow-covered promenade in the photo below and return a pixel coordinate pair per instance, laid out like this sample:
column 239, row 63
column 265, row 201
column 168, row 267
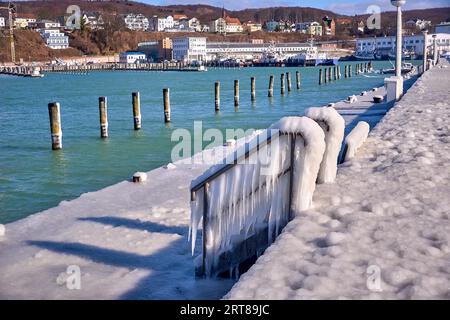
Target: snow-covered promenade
column 389, row 207
column 382, row 231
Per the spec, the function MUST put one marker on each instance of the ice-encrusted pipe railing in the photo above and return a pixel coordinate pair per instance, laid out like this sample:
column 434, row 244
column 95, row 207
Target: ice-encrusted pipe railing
column 354, row 140
column 255, row 193
column 333, row 125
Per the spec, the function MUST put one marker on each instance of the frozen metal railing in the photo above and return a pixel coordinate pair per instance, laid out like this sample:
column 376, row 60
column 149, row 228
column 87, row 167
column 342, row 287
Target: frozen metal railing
column 239, row 159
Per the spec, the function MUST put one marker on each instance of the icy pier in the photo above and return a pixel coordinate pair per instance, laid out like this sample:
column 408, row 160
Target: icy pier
column 129, row 241
column 382, row 231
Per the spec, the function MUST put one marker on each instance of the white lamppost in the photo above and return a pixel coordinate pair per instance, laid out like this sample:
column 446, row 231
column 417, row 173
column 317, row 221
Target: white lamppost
column 435, row 50
column 399, row 44
column 425, row 50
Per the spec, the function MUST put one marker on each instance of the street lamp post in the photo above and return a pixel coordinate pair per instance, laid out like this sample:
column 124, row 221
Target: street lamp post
column 425, row 50
column 435, row 50
column 399, row 41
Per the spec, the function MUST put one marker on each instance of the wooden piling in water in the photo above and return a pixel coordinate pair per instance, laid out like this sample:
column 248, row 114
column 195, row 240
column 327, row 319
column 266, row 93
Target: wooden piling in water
column 334, row 73
column 217, row 96
column 298, row 79
column 103, row 111
column 325, row 75
column 330, row 76
column 236, row 93
column 166, row 98
column 289, row 82
column 282, row 89
column 136, row 100
column 320, row 76
column 339, row 72
column 55, row 125
column 345, row 71
column 253, row 88
column 271, row 83
column 350, row 71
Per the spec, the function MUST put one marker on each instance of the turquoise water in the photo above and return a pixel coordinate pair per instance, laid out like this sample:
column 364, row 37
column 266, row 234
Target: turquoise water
column 34, row 178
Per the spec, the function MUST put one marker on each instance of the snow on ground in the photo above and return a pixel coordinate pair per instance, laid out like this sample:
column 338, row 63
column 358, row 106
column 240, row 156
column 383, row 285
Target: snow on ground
column 383, row 225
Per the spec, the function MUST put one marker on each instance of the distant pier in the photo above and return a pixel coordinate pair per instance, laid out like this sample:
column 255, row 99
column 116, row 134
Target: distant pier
column 84, row 68
column 21, row 71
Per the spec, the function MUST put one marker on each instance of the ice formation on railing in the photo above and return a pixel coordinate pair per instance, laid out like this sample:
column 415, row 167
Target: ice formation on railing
column 333, row 125
column 254, row 195
column 355, row 139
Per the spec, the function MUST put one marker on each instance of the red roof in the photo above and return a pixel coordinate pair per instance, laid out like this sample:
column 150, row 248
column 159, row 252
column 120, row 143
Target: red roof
column 230, row 20
column 179, row 16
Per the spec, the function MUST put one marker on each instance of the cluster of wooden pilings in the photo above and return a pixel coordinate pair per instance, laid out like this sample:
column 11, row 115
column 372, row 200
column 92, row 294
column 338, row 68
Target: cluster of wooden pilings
column 54, row 110
column 285, row 78
column 333, row 73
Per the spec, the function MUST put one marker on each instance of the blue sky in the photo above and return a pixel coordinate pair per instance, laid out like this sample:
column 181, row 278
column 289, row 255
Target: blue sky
column 344, row 6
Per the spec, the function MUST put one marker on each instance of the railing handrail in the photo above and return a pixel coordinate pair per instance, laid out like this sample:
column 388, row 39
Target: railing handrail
column 237, row 158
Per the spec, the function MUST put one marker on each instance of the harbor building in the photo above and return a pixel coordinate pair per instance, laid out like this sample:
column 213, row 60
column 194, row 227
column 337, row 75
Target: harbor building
column 411, row 44
column 253, row 50
column 132, row 57
column 157, row 51
column 189, row 49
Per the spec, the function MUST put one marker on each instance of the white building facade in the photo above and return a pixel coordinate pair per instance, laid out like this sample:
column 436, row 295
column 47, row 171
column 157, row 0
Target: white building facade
column 247, row 50
column 132, row 57
column 161, row 24
column 54, row 39
column 218, row 26
column 189, row 49
column 412, row 43
column 136, row 22
column 48, row 24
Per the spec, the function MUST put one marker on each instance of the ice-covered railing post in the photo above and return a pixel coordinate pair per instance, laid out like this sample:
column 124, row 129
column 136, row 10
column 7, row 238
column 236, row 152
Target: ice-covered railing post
column 354, row 140
column 246, row 201
column 333, row 125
